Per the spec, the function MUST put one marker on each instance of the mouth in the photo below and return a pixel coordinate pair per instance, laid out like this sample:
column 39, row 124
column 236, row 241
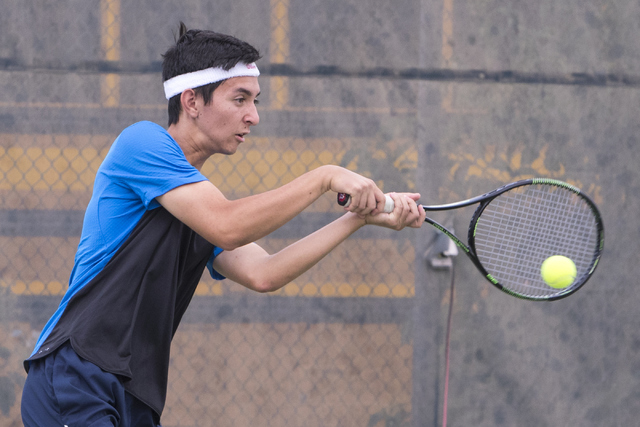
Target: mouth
column 240, row 136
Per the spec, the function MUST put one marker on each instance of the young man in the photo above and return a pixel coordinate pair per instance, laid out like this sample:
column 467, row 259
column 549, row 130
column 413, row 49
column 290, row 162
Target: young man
column 154, row 223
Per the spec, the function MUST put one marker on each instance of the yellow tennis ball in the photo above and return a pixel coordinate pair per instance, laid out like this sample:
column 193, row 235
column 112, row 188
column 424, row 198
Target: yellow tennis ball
column 558, row 271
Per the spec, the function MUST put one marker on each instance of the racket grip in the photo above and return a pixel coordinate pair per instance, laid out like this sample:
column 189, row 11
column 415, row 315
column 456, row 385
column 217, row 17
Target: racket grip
column 345, row 200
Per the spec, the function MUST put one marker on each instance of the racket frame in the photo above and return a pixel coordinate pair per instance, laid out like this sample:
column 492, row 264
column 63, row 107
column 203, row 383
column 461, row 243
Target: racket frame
column 484, row 200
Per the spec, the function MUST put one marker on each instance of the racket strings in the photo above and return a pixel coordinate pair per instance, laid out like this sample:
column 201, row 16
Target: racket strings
column 521, row 228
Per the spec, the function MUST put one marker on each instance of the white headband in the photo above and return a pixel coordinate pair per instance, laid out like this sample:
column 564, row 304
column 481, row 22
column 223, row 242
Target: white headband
column 179, row 84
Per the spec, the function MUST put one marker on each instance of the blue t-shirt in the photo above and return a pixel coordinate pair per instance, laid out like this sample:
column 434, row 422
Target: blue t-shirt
column 143, row 163
column 135, row 262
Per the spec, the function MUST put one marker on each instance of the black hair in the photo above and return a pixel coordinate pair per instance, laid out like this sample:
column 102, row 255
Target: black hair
column 200, row 49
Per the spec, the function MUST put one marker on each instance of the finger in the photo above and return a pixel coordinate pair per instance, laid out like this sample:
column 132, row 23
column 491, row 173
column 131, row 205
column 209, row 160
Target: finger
column 415, row 215
column 412, row 210
column 351, row 203
column 380, row 201
column 363, row 205
column 422, row 215
column 401, row 210
column 372, row 202
column 406, row 204
column 356, row 202
column 369, row 201
column 414, row 196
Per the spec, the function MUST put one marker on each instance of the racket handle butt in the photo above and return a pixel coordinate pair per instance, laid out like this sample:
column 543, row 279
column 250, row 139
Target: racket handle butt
column 345, row 200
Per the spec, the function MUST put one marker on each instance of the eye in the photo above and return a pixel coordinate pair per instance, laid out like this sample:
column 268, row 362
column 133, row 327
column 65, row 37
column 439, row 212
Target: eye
column 256, row 101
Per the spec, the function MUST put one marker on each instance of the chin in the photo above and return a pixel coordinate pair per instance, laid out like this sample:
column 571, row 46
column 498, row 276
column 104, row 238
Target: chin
column 230, row 151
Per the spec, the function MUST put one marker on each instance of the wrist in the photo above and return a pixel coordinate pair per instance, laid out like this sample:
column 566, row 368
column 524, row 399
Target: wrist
column 326, row 173
column 355, row 220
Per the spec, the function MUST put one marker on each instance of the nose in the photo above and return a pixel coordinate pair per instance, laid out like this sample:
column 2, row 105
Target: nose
column 252, row 117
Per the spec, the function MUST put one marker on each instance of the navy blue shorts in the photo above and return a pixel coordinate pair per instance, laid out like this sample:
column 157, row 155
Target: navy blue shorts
column 63, row 389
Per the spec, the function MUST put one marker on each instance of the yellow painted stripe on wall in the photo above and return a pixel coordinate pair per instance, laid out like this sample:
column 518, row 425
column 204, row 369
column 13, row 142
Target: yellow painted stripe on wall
column 70, row 162
column 279, row 52
column 294, row 289
column 74, row 169
column 110, row 42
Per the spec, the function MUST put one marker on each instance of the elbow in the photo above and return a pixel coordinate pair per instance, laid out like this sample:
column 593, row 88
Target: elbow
column 252, row 267
column 263, row 289
column 264, row 283
column 228, row 241
column 226, row 245
column 265, row 286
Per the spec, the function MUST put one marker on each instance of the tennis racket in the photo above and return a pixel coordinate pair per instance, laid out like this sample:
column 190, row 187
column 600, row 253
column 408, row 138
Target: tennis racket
column 518, row 226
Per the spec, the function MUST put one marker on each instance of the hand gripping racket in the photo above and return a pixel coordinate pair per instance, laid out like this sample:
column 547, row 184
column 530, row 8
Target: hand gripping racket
column 518, row 226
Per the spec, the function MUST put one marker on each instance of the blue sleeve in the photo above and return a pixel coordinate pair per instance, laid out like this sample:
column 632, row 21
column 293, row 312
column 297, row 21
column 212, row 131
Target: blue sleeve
column 147, row 160
column 214, row 273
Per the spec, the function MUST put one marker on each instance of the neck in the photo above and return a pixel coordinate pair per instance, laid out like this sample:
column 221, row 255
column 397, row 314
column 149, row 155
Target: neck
column 185, row 138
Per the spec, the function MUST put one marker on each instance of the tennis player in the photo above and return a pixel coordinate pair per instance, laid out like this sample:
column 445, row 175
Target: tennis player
column 154, row 223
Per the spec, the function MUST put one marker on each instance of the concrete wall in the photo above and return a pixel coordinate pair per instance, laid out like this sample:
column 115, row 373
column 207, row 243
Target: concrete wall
column 559, row 99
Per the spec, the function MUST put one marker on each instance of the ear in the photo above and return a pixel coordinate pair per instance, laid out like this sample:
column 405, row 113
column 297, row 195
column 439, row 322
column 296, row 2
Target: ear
column 188, row 100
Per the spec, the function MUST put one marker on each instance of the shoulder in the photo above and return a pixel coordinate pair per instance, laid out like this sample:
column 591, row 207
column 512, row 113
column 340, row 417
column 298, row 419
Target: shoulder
column 144, row 139
column 143, row 134
column 143, row 128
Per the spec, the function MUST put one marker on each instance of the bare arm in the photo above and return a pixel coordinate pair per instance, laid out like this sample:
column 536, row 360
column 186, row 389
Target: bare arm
column 254, row 268
column 230, row 224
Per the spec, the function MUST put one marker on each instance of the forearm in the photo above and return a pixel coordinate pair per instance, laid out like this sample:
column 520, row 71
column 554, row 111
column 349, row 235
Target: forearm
column 253, row 267
column 251, row 218
column 289, row 263
column 233, row 223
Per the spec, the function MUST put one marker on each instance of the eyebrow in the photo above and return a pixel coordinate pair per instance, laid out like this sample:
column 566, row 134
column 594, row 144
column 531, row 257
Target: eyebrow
column 246, row 92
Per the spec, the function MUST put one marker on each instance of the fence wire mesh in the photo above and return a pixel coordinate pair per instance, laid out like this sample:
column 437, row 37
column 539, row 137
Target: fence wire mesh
column 289, row 374
column 465, row 96
column 283, row 368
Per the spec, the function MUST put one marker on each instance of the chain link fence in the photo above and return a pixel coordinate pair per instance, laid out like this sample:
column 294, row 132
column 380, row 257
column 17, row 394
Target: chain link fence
column 290, row 374
column 47, row 181
column 448, row 98
column 238, row 374
column 64, row 100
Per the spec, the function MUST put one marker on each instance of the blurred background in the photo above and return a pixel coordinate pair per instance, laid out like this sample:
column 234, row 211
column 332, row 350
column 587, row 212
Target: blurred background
column 449, row 98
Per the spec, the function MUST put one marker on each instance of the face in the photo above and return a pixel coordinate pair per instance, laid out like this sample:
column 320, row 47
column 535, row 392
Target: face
column 225, row 121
